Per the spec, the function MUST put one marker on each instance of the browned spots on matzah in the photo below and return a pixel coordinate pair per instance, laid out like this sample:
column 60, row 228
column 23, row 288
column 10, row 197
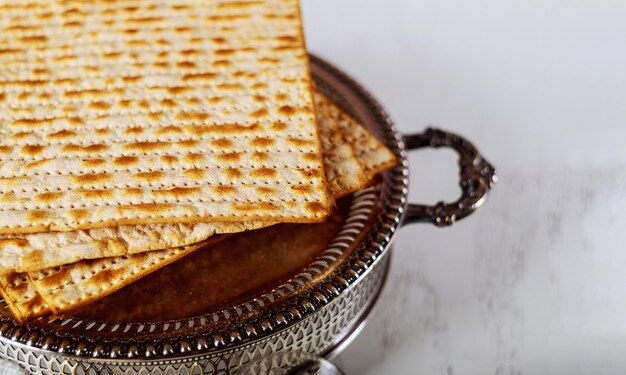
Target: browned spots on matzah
column 10, row 51
column 259, row 156
column 280, row 97
column 228, row 157
column 201, row 130
column 33, row 39
column 228, row 17
column 262, row 112
column 22, row 28
column 69, row 109
column 193, row 101
column 132, row 192
column 222, row 143
column 215, row 100
column 182, row 29
column 32, row 123
column 315, row 208
column 169, row 159
column 35, row 257
column 309, row 157
column 100, row 194
column 308, row 173
column 7, row 198
column 199, row 77
column 238, row 4
column 263, row 173
column 73, row 12
column 186, row 65
column 230, row 86
column 262, row 142
column 57, row 278
column 89, row 149
column 232, row 173
column 149, row 176
column 262, row 206
column 298, row 142
column 24, row 96
column 191, row 143
column 73, row 24
column 103, row 277
column 49, row 197
column 100, row 105
column 279, row 126
column 5, row 149
column 125, row 161
column 37, row 164
column 132, row 79
column 224, row 190
column 288, row 38
column 79, row 214
column 285, row 48
column 76, row 94
column 135, row 130
column 169, row 103
column 17, row 242
column 146, row 146
column 193, row 158
column 91, row 178
column 170, row 129
column 93, row 163
column 38, row 215
column 288, row 110
column 303, row 188
column 177, row 192
column 265, row 191
column 143, row 20
column 22, row 135
column 191, row 116
column 32, row 150
column 194, row 173
column 221, row 63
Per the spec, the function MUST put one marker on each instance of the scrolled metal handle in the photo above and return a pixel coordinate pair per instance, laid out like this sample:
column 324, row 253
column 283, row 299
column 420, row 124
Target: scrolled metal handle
column 476, row 177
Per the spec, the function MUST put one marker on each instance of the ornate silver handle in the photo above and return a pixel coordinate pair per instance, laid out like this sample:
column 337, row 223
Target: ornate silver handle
column 476, row 178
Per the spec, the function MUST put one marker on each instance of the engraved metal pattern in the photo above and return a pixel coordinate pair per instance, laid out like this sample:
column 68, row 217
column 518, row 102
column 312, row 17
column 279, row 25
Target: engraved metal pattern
column 477, row 176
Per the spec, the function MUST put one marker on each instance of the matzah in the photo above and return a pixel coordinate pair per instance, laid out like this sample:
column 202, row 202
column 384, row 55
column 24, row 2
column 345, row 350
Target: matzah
column 31, row 252
column 135, row 112
column 35, row 294
column 59, row 290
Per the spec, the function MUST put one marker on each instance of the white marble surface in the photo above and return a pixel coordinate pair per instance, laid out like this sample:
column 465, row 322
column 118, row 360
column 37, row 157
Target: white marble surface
column 534, row 283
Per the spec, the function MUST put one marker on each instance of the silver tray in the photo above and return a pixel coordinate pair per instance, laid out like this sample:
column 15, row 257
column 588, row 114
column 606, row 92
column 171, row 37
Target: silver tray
column 312, row 312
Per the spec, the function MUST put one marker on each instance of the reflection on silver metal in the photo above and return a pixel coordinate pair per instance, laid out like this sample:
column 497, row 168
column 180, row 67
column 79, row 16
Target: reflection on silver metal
column 294, row 317
column 476, row 178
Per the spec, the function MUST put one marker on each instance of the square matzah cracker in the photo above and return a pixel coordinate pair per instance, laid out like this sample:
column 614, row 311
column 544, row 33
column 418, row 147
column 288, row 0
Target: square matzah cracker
column 155, row 111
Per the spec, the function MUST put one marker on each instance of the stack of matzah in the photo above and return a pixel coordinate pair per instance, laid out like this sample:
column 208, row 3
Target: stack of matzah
column 134, row 131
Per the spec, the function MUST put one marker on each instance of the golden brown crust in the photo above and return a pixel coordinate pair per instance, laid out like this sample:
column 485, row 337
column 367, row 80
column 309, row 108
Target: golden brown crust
column 88, row 115
column 370, row 155
column 36, row 251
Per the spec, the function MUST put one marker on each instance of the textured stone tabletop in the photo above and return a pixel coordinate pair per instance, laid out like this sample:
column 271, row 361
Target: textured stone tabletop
column 535, row 282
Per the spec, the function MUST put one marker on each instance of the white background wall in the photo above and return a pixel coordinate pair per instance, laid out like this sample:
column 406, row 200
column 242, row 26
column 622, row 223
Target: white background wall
column 534, row 283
